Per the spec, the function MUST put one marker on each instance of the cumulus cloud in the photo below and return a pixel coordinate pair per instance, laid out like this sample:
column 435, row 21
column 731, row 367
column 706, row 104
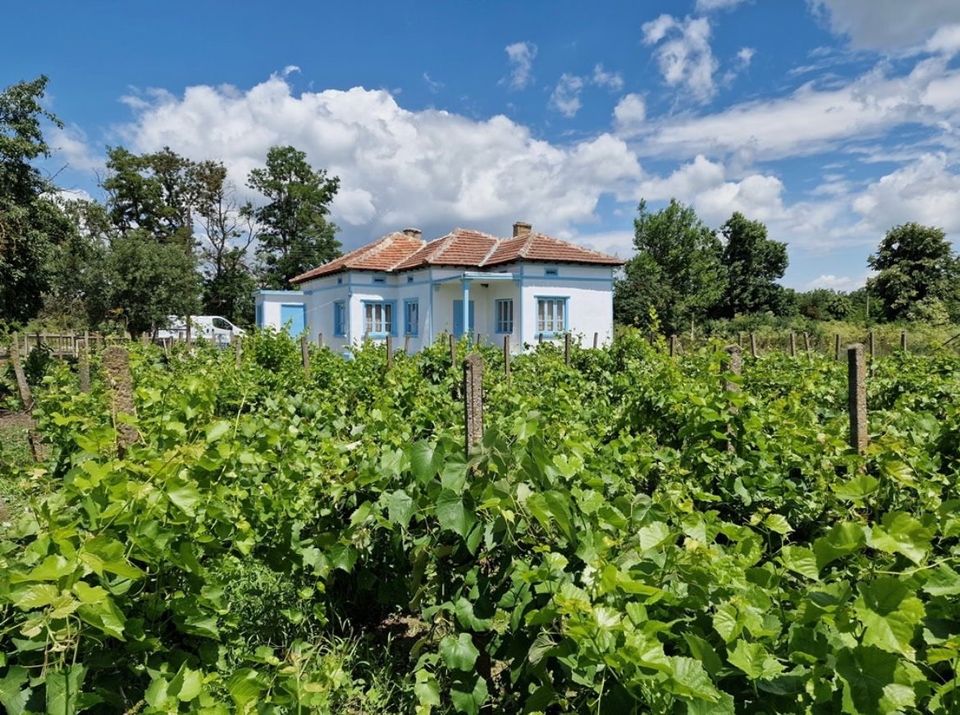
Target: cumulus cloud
column 839, row 283
column 430, row 168
column 886, row 24
column 683, row 53
column 745, row 56
column 945, row 41
column 611, row 80
column 926, row 191
column 565, row 97
column 520, row 55
column 812, row 120
column 630, row 113
column 70, row 145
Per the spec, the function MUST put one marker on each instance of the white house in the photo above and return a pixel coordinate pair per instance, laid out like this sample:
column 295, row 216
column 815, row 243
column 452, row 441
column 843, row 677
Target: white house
column 529, row 287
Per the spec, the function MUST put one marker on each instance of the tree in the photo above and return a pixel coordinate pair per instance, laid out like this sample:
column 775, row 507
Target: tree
column 824, row 304
column 296, row 234
column 30, row 222
column 676, row 270
column 917, row 273
column 753, row 264
column 142, row 281
column 228, row 230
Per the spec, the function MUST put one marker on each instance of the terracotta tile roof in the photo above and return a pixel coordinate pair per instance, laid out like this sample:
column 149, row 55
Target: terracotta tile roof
column 461, row 247
column 382, row 255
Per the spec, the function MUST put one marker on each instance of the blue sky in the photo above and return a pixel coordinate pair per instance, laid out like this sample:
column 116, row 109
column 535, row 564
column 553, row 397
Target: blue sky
column 830, row 120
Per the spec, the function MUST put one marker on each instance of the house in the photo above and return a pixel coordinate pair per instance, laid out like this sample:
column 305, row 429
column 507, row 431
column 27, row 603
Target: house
column 530, row 286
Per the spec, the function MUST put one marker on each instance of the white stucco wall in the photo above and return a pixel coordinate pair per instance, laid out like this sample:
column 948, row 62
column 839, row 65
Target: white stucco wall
column 268, row 305
column 588, row 290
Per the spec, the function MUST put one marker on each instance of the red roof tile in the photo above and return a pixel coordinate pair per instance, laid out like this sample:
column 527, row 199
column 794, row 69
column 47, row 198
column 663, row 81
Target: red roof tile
column 461, row 247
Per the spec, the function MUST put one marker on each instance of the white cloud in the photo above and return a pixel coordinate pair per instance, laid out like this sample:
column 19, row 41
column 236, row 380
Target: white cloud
column 811, row 120
column 630, row 113
column 521, row 56
column 565, row 97
column 430, row 168
column 926, row 191
column 946, row 40
column 887, row 24
column 711, row 5
column 611, row 80
column 432, row 84
column 70, row 145
column 838, row 283
column 683, row 53
column 745, row 56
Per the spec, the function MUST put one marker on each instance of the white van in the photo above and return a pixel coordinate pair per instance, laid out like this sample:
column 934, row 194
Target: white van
column 215, row 328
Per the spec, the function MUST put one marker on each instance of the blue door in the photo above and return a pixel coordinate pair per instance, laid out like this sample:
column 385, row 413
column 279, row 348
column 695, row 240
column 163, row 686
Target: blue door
column 293, row 317
column 458, row 318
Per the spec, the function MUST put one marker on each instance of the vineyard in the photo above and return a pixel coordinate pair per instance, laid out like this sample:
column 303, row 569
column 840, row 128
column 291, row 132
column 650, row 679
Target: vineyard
column 635, row 532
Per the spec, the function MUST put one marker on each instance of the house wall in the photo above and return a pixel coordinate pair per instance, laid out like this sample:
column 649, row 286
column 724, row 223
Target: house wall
column 268, row 304
column 587, row 288
column 589, row 293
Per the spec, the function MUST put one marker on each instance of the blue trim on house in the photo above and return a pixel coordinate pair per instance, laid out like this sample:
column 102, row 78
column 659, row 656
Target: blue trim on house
column 411, row 329
column 496, row 316
column 394, row 318
column 339, row 319
column 547, row 334
column 284, row 293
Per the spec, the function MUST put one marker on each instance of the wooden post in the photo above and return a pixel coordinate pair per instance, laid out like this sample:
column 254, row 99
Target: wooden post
column 116, row 362
column 673, row 345
column 857, row 397
column 806, row 342
column 793, row 344
column 305, row 353
column 506, row 357
column 596, row 340
column 473, row 400
column 25, row 397
column 83, row 369
column 903, row 341
column 836, row 346
column 871, row 340
column 566, row 348
column 753, row 345
column 389, row 346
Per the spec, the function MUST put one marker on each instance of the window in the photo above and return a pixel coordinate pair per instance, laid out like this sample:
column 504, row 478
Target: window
column 339, row 280
column 339, row 319
column 551, row 315
column 503, row 311
column 378, row 319
column 409, row 279
column 551, row 272
column 411, row 317
column 379, row 279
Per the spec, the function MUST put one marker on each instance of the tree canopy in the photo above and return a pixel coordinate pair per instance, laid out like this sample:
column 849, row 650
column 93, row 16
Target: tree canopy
column 753, row 264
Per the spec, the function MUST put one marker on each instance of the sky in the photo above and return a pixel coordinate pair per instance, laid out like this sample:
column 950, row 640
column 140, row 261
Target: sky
column 829, row 120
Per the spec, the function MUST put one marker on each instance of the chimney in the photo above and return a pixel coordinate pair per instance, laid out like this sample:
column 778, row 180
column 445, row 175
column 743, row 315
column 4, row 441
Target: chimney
column 521, row 227
column 413, row 232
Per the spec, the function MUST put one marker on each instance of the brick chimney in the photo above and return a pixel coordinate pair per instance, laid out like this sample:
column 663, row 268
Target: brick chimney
column 521, row 227
column 413, row 232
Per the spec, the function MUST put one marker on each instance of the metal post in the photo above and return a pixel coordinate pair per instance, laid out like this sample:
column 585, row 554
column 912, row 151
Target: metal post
column 857, row 397
column 473, row 400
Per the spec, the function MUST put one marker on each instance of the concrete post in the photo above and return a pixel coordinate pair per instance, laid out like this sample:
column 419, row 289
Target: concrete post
column 673, row 345
column 453, row 351
column 793, row 344
column 903, row 341
column 596, row 340
column 566, row 348
column 857, row 397
column 389, row 346
column 237, row 350
column 320, row 340
column 22, row 385
column 806, row 342
column 734, row 366
column 116, row 362
column 753, row 345
column 506, row 357
column 83, row 368
column 871, row 341
column 305, row 353
column 473, row 400
column 836, row 346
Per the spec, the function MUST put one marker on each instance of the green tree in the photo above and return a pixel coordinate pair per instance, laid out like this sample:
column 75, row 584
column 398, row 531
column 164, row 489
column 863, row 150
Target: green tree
column 296, row 233
column 30, row 222
column 917, row 273
column 824, row 304
column 753, row 264
column 142, row 281
column 676, row 271
column 227, row 231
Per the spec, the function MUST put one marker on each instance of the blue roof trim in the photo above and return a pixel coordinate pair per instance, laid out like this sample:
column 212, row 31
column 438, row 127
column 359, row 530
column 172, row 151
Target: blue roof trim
column 279, row 292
